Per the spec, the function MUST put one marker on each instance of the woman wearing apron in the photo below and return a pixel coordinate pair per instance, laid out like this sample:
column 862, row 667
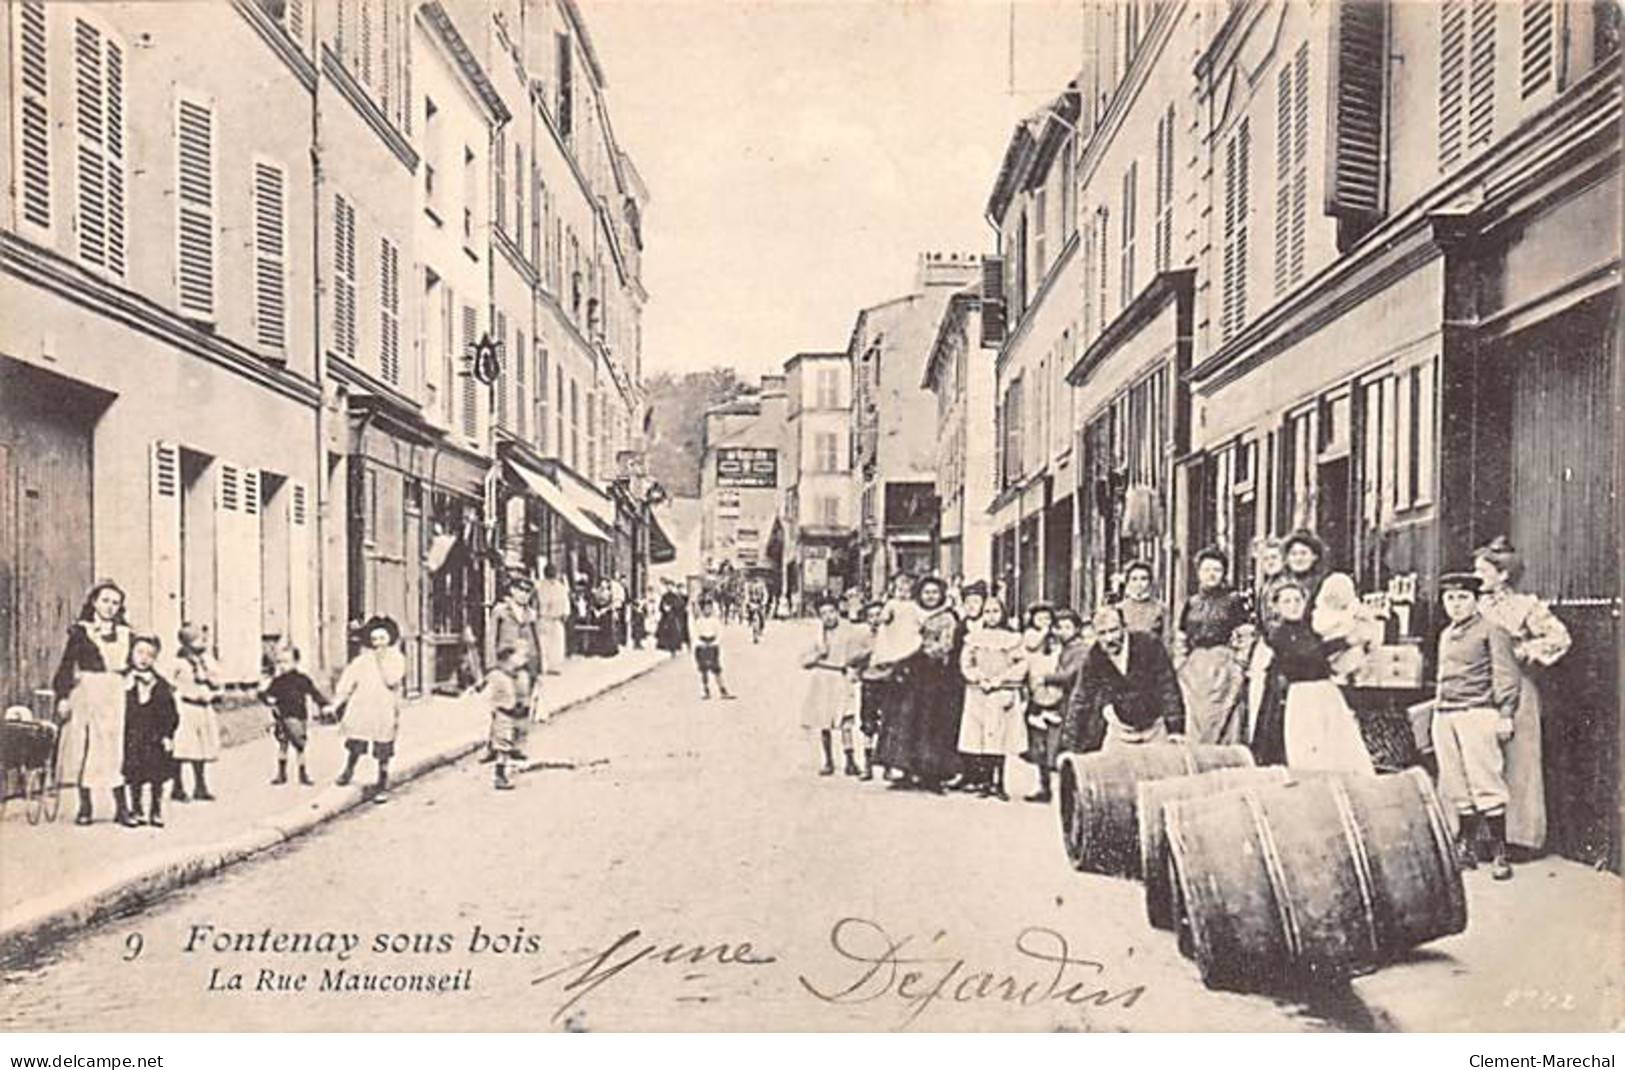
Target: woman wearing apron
column 90, row 684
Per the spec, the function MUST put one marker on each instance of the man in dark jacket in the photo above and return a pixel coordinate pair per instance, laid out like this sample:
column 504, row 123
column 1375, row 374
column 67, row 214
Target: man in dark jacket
column 1125, row 690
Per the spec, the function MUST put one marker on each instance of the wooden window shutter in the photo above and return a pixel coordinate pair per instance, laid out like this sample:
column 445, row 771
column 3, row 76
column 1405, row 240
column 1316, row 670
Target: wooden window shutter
column 34, row 119
column 165, row 536
column 499, row 328
column 993, row 317
column 293, row 19
column 521, row 408
column 194, row 133
column 366, row 43
column 1163, row 195
column 301, row 600
column 1481, row 86
column 1452, row 79
column 501, row 178
column 1233, row 312
column 1300, row 161
column 1131, row 181
column 1283, row 179
column 344, row 277
column 389, row 309
column 1539, row 37
column 1358, row 112
column 99, row 137
column 270, row 257
column 471, row 396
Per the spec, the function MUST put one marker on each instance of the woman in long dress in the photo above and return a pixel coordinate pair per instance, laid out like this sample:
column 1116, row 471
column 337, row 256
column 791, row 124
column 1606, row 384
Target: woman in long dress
column 552, row 613
column 369, row 690
column 89, row 684
column 919, row 726
column 993, row 726
column 671, row 632
column 1539, row 640
column 831, row 661
column 1213, row 684
column 1321, row 732
column 197, row 739
column 1266, row 694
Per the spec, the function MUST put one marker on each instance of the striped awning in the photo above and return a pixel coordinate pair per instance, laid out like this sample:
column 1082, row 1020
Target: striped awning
column 554, row 497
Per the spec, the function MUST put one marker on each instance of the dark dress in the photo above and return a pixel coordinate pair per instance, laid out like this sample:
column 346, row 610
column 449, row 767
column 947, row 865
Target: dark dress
column 920, row 734
column 289, row 696
column 1269, row 720
column 671, row 632
column 146, row 726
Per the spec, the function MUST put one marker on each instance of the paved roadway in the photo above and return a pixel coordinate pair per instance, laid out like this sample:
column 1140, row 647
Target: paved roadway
column 679, row 822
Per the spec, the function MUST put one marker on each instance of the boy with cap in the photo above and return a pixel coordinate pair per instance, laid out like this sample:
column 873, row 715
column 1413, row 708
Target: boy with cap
column 1473, row 714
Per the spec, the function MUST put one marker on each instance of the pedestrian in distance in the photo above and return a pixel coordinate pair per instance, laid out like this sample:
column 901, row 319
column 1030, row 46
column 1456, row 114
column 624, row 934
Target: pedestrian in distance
column 708, row 649
column 671, row 631
column 369, row 694
column 90, row 685
column 1474, row 716
column 994, row 665
column 1320, row 732
column 289, row 692
column 500, row 691
column 150, row 720
column 1539, row 641
column 831, row 660
column 197, row 739
column 865, row 618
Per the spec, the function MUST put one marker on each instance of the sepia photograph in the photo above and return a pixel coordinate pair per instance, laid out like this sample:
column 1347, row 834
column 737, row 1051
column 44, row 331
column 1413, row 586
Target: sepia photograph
column 812, row 516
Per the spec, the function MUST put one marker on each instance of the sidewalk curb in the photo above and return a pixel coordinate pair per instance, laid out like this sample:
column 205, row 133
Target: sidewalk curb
column 139, row 884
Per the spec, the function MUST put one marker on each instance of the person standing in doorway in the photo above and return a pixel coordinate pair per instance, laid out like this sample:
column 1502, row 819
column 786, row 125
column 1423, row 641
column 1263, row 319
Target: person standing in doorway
column 369, row 691
column 552, row 616
column 618, row 606
column 197, row 740
column 90, row 684
column 1539, row 641
column 1214, row 685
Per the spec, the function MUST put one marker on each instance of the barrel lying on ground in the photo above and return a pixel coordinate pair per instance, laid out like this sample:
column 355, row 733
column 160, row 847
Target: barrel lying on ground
column 1313, row 879
column 1097, row 798
column 1154, row 795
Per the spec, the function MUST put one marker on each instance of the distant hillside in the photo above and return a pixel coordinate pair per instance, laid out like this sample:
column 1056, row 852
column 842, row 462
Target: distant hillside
column 677, row 423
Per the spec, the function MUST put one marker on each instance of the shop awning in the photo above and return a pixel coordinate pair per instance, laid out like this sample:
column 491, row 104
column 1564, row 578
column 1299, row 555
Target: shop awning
column 554, row 497
column 661, row 550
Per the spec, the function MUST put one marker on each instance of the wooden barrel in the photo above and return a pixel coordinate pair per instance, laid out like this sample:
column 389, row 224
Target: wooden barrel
column 1153, row 795
column 1098, row 826
column 1312, row 879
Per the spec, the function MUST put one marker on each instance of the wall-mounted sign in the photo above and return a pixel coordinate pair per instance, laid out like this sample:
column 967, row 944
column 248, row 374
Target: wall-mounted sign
column 747, row 466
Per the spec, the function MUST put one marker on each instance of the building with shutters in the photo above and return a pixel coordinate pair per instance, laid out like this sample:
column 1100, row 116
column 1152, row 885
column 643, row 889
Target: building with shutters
column 741, row 482
column 894, row 449
column 959, row 375
column 1406, row 320
column 819, row 507
column 1030, row 317
column 159, row 374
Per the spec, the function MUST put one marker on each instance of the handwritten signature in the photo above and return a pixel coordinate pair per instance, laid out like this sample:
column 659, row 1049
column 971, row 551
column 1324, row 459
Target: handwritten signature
column 597, row 968
column 886, row 967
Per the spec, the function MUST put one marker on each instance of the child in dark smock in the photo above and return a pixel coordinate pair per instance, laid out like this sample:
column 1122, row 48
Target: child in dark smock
column 289, row 693
column 150, row 720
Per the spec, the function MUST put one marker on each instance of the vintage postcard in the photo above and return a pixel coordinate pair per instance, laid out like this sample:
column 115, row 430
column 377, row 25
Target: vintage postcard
column 811, row 516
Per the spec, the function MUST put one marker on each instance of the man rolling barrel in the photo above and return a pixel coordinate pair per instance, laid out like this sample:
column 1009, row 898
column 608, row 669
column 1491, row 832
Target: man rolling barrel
column 1125, row 691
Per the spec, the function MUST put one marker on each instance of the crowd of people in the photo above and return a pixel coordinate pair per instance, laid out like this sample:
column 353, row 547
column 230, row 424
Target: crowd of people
column 939, row 688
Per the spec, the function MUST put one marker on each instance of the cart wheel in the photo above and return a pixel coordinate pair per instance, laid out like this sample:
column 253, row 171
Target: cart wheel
column 34, row 794
column 51, row 793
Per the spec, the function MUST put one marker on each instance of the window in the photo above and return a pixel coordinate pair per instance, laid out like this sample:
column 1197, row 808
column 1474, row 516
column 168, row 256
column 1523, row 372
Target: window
column 537, row 198
column 99, row 148
column 826, row 456
column 1162, row 237
column 499, row 331
column 1399, row 413
column 575, row 426
column 521, row 407
column 1131, row 182
column 566, row 97
column 343, row 277
column 270, row 256
column 1233, row 311
column 1539, row 20
column 1291, row 170
column 194, row 201
column 518, row 192
column 501, row 180
column 829, row 388
column 1013, row 433
column 1466, row 78
column 1041, row 233
column 366, row 43
column 542, row 388
column 1103, row 219
column 389, row 312
column 1069, row 214
column 448, row 362
column 1088, row 257
column 1359, row 58
column 558, row 405
column 592, row 433
column 471, row 388
column 829, row 511
column 470, row 192
column 34, row 118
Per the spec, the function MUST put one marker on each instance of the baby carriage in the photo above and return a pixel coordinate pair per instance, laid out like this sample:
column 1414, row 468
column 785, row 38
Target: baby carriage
column 28, row 764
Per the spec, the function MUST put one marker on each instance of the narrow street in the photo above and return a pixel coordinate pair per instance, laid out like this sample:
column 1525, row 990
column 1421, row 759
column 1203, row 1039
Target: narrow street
column 693, row 823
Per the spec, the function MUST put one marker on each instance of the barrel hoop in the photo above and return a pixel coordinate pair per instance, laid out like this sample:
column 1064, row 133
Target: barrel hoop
column 1174, row 831
column 1362, row 860
column 1187, row 754
column 1443, row 849
column 1271, row 855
